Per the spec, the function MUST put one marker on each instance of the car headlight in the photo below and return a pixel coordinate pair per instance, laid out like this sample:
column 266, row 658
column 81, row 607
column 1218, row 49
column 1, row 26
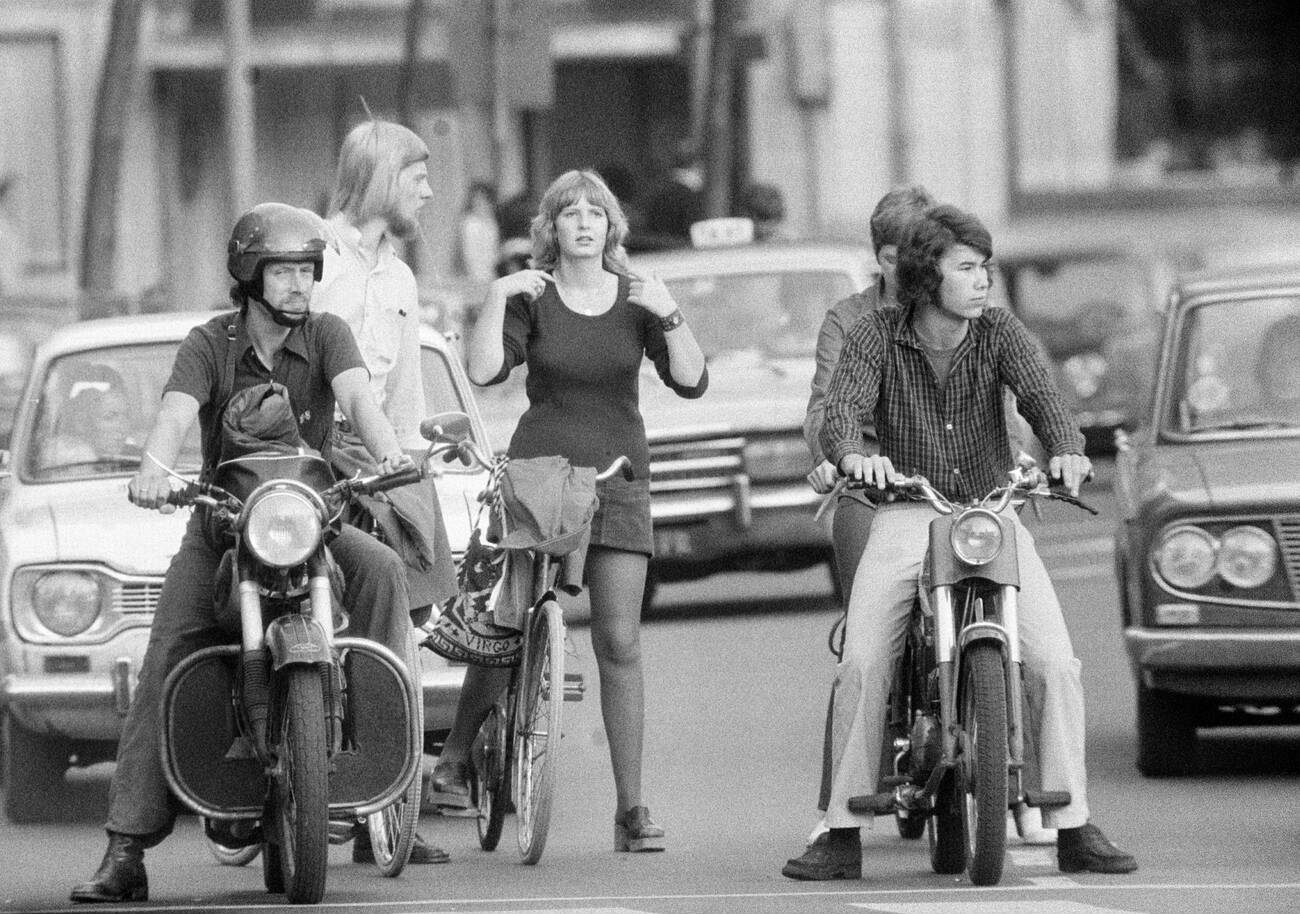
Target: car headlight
column 976, row 537
column 1247, row 557
column 1185, row 557
column 66, row 602
column 772, row 459
column 282, row 528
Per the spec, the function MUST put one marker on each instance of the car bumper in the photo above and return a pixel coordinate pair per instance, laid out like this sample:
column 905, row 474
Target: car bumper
column 1258, row 665
column 737, row 529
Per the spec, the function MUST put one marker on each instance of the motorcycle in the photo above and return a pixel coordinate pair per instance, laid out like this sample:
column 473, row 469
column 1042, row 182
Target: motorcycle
column 954, row 723
column 272, row 738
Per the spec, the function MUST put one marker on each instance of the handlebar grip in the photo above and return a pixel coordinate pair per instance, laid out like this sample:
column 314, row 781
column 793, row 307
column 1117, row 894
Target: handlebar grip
column 404, row 477
column 182, row 497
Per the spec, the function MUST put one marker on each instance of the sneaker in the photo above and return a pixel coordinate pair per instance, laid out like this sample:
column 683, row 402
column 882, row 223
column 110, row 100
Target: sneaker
column 1085, row 849
column 828, row 857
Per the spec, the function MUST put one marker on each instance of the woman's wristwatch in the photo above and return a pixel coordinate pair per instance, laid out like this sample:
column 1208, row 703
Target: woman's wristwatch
column 672, row 321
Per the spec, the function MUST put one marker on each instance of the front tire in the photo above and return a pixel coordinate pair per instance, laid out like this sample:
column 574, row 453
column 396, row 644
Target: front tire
column 491, row 755
column 301, row 790
column 33, row 772
column 1166, row 734
column 984, row 716
column 537, row 729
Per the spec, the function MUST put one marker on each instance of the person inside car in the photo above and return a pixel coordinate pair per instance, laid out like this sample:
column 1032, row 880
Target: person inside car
column 95, row 424
column 1277, row 370
column 275, row 256
column 931, row 374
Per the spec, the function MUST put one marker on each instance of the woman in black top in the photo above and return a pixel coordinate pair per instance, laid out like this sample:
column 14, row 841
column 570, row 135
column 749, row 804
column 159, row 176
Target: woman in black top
column 583, row 322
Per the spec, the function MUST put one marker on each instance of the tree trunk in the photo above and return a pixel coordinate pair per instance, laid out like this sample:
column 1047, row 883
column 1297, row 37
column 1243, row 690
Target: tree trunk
column 112, row 107
column 719, row 123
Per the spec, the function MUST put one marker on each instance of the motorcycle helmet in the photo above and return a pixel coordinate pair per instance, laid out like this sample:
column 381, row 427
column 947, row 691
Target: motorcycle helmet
column 274, row 232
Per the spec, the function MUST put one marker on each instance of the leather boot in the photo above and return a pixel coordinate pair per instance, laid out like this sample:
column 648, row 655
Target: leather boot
column 120, row 876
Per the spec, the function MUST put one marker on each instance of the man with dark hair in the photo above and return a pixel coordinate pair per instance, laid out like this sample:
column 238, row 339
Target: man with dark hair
column 275, row 257
column 930, row 374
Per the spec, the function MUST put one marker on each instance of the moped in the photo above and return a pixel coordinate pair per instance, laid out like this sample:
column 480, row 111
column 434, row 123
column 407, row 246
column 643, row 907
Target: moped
column 954, row 721
column 272, row 738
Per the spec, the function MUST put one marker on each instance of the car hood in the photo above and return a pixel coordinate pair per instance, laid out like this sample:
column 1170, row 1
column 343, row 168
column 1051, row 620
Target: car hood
column 89, row 522
column 748, row 392
column 1224, row 473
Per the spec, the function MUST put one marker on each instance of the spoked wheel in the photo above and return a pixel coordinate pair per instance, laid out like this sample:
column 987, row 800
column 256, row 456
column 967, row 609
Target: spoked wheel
column 984, row 713
column 392, row 829
column 491, row 787
column 537, row 730
column 300, row 788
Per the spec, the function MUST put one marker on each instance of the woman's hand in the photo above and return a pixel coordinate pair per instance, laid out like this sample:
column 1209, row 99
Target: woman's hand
column 530, row 283
column 649, row 292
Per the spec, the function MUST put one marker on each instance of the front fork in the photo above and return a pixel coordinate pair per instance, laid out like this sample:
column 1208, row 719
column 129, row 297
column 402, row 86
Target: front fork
column 947, row 657
column 258, row 664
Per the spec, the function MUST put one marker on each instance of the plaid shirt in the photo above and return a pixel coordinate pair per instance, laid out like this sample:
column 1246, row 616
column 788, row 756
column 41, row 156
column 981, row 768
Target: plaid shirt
column 957, row 439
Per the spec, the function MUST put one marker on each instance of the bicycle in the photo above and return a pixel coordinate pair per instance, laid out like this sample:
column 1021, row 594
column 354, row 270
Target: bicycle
column 514, row 755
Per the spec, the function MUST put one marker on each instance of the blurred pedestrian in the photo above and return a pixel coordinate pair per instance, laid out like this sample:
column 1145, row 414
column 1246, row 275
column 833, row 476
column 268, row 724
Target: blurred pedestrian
column 583, row 323
column 381, row 184
column 478, row 236
column 765, row 205
column 678, row 202
column 514, row 217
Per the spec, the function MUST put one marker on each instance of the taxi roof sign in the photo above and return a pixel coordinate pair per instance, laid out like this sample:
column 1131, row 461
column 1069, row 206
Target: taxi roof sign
column 722, row 232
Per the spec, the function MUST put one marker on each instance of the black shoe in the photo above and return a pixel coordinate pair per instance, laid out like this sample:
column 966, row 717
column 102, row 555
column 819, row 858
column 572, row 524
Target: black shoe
column 1085, row 849
column 421, row 850
column 120, row 876
column 449, row 785
column 828, row 857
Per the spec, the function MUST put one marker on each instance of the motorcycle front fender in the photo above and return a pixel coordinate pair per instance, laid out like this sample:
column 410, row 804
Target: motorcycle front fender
column 295, row 640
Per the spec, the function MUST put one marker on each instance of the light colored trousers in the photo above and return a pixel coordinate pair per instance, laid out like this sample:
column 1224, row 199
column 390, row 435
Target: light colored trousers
column 880, row 605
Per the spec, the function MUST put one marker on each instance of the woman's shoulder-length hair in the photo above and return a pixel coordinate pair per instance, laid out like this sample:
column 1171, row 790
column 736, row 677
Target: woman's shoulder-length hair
column 567, row 190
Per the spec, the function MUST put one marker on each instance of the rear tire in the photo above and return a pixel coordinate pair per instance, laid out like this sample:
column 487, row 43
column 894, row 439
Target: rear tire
column 33, row 772
column 537, row 729
column 491, row 755
column 301, row 792
column 1166, row 734
column 984, row 716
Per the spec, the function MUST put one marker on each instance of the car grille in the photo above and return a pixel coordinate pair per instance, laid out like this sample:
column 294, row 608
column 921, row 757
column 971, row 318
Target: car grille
column 1288, row 537
column 683, row 466
column 135, row 597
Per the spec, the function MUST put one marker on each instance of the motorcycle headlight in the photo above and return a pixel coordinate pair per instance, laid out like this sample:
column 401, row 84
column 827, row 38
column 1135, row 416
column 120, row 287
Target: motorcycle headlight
column 1247, row 557
column 976, row 537
column 1185, row 557
column 282, row 528
column 66, row 602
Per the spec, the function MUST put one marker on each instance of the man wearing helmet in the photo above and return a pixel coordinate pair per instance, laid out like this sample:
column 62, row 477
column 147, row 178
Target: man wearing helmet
column 275, row 257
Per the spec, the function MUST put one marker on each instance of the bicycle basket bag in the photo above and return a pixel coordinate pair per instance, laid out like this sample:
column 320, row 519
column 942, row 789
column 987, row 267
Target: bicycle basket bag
column 548, row 505
column 466, row 630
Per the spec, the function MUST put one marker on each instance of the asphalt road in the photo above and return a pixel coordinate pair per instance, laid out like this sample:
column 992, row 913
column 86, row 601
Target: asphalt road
column 737, row 673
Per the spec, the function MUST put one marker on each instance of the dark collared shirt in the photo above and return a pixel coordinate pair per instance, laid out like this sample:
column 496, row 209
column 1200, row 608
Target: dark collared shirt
column 312, row 356
column 956, row 438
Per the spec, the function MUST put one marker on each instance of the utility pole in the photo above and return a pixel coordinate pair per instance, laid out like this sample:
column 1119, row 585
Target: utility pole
column 720, row 121
column 241, row 153
column 112, row 107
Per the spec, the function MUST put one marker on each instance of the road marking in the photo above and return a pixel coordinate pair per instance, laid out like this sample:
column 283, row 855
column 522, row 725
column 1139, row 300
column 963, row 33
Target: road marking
column 1054, row 882
column 1028, row 857
column 1032, row 906
column 965, row 891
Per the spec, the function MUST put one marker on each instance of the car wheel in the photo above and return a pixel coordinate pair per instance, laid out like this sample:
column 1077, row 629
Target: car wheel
column 1166, row 733
column 33, row 772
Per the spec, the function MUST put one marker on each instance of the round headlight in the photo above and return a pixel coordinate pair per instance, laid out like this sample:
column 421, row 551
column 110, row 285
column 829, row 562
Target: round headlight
column 282, row 528
column 1247, row 557
column 66, row 602
column 976, row 537
column 1185, row 557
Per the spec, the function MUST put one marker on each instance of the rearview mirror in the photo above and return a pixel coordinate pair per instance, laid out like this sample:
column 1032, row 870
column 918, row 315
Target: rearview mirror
column 452, row 427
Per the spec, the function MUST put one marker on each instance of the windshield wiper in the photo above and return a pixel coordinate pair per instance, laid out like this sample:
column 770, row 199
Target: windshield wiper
column 1241, row 425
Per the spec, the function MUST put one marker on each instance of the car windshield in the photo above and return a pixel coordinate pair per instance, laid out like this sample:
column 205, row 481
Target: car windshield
column 1238, row 367
column 95, row 410
column 774, row 313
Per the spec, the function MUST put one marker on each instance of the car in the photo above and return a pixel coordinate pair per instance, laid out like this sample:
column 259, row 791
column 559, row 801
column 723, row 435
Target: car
column 1091, row 304
column 1207, row 548
column 728, row 488
column 81, row 569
